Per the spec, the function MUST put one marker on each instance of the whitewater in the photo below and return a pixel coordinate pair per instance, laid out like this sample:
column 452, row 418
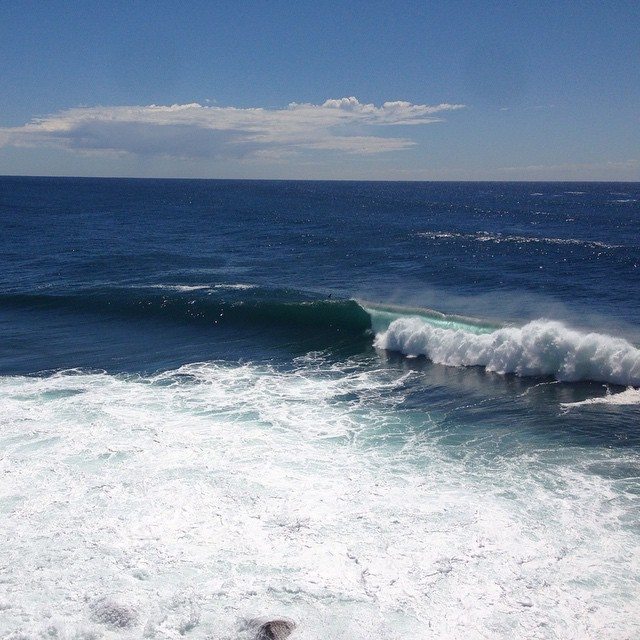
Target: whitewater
column 189, row 501
column 539, row 348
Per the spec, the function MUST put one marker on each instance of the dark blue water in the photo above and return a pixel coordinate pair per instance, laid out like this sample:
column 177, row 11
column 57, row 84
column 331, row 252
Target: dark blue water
column 94, row 270
column 471, row 347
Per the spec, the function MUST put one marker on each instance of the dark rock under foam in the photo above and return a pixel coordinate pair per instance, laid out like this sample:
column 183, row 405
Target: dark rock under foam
column 276, row 629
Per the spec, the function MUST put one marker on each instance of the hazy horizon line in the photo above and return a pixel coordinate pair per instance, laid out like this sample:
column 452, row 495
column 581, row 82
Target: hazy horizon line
column 221, row 179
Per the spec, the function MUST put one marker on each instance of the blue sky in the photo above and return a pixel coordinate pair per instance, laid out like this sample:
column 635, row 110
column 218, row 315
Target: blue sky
column 358, row 90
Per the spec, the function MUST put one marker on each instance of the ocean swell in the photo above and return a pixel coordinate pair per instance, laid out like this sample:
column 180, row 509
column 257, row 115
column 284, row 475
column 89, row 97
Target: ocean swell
column 206, row 305
column 539, row 348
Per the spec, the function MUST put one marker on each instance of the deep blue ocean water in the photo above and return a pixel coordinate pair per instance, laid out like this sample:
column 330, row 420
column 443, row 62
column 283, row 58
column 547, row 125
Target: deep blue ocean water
column 380, row 409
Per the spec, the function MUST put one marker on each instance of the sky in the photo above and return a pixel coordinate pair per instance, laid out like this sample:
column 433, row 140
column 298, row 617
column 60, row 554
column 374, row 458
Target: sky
column 363, row 90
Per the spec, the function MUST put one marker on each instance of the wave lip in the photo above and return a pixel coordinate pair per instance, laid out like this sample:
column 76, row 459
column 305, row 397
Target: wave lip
column 539, row 348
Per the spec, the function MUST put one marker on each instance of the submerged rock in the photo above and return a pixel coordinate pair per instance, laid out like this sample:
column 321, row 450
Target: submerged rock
column 277, row 629
column 114, row 614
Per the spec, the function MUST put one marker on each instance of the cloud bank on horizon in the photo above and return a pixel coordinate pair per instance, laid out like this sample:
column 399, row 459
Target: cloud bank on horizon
column 343, row 125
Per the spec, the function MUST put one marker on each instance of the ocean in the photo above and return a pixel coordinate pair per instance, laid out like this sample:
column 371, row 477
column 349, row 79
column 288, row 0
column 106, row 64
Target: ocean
column 378, row 409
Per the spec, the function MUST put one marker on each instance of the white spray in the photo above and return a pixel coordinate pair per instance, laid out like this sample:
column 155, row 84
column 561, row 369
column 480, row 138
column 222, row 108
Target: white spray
column 539, row 348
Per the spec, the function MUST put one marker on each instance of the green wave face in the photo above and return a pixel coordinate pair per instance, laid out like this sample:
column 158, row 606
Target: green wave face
column 269, row 308
column 382, row 315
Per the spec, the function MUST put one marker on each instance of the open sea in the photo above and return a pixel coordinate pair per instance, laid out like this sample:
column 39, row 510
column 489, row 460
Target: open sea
column 381, row 410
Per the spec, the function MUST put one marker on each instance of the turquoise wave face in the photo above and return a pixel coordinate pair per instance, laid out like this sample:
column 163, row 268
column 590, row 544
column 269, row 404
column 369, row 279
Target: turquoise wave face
column 382, row 315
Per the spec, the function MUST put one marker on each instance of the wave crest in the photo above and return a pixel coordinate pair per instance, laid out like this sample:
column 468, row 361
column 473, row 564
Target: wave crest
column 539, row 348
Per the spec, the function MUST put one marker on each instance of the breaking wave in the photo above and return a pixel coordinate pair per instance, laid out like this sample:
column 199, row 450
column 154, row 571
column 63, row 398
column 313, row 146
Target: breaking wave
column 539, row 348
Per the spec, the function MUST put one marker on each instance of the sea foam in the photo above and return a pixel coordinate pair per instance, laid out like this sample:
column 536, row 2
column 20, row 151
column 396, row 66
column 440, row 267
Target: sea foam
column 499, row 238
column 539, row 348
column 630, row 396
column 190, row 500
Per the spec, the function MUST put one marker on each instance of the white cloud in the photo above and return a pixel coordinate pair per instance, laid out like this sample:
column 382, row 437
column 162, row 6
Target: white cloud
column 197, row 131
